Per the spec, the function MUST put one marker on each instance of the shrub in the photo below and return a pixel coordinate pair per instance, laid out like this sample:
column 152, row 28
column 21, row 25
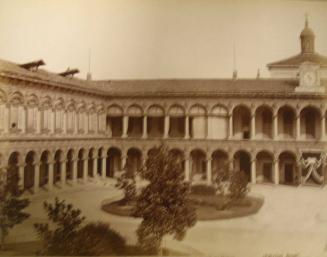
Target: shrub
column 238, row 187
column 128, row 185
column 203, row 190
column 69, row 237
column 99, row 238
column 221, row 181
column 126, row 182
column 11, row 204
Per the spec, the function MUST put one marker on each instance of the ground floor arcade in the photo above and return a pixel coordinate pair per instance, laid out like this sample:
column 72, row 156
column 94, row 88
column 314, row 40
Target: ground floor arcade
column 45, row 169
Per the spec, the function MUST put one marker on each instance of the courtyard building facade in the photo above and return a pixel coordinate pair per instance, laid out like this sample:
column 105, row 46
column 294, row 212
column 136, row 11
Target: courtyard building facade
column 57, row 130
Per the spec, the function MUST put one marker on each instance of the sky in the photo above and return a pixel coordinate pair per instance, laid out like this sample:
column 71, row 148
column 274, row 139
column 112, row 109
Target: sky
column 144, row 39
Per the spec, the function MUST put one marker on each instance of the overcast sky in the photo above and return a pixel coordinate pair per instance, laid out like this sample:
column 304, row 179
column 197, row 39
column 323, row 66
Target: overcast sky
column 158, row 38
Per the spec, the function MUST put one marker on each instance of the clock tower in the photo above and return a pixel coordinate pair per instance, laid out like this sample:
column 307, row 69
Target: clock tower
column 309, row 78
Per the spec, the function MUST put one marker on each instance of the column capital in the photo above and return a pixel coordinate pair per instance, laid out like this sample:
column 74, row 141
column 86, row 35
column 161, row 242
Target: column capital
column 36, row 163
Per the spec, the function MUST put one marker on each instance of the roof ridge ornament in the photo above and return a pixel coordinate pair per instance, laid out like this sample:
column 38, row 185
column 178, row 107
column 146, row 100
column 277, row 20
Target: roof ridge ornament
column 34, row 65
column 69, row 72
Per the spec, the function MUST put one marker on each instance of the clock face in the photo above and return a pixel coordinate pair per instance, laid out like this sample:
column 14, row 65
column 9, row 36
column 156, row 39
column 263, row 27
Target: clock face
column 309, row 78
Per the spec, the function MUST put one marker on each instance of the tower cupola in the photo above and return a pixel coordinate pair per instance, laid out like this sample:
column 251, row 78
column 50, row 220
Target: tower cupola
column 307, row 39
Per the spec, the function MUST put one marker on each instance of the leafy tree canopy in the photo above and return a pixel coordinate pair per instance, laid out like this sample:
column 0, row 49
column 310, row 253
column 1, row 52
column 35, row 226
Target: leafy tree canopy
column 164, row 203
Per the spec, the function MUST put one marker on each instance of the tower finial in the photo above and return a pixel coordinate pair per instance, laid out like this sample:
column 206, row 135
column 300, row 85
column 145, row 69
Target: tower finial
column 89, row 75
column 306, row 20
column 234, row 61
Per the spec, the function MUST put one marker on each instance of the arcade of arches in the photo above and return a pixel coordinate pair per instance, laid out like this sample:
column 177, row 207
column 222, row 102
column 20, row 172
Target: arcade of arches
column 44, row 170
column 208, row 139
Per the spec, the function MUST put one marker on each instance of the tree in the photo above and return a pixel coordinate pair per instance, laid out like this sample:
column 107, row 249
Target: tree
column 67, row 236
column 11, row 205
column 164, row 203
column 127, row 183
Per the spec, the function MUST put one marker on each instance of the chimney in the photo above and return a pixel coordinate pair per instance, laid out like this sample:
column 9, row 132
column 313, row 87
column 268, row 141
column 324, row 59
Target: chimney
column 88, row 76
column 258, row 74
column 235, row 74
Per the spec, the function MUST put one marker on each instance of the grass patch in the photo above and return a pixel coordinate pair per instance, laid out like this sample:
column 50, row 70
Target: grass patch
column 208, row 207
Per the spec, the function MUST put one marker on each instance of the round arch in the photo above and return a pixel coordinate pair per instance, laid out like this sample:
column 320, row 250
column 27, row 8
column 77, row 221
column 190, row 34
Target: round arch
column 44, row 168
column 29, row 170
column 134, row 160
column 81, row 155
column 310, row 126
column 242, row 162
column 198, row 165
column 219, row 162
column 69, row 164
column 264, row 122
column 114, row 163
column 264, row 167
column 242, row 122
column 286, row 121
column 288, row 171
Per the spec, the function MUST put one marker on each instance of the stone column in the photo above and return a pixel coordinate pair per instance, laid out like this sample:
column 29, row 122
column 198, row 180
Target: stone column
column 63, row 172
column 104, row 166
column 95, row 167
column 230, row 164
column 125, row 126
column 253, row 171
column 123, row 161
column 85, row 169
column 207, row 127
column 74, row 168
column 167, row 124
column 21, row 181
column 187, row 169
column 209, row 172
column 275, row 125
column 323, row 126
column 64, row 122
column 50, row 176
column 298, row 125
column 230, row 127
column 276, row 171
column 187, row 127
column 253, row 124
column 145, row 127
column 36, row 177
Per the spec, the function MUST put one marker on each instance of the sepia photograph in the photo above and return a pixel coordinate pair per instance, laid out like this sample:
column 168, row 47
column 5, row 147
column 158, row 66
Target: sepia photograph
column 163, row 128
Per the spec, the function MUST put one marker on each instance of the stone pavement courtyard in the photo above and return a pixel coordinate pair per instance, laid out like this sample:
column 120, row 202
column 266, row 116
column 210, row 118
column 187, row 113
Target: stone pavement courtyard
column 292, row 222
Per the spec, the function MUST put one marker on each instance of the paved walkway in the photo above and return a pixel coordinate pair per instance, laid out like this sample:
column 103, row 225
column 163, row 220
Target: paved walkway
column 293, row 221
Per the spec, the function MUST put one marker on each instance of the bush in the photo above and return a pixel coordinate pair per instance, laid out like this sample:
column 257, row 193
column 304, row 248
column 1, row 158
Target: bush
column 238, row 187
column 69, row 237
column 127, row 183
column 222, row 181
column 11, row 204
column 203, row 190
column 99, row 238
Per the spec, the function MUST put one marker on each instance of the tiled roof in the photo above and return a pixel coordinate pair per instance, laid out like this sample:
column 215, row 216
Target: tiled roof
column 296, row 60
column 13, row 70
column 156, row 87
column 197, row 86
